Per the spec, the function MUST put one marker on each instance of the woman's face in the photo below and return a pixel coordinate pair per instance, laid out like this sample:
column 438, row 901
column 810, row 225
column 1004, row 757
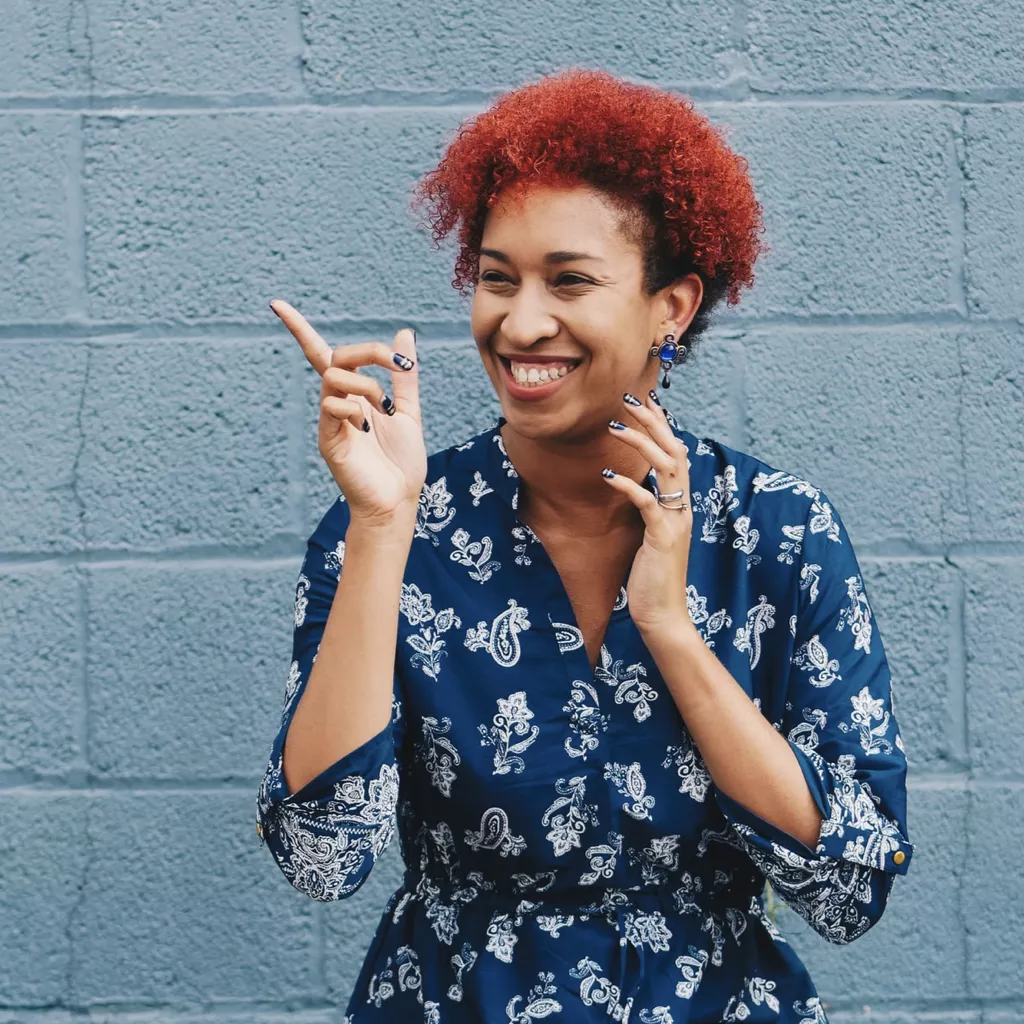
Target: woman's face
column 560, row 315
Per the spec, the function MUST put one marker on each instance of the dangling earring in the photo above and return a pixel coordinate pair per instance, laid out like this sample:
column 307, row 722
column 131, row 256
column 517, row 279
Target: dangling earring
column 667, row 352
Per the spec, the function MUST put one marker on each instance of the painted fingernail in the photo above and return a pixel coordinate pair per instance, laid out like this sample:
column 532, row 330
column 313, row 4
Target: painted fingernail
column 608, row 473
column 274, row 311
column 654, row 397
column 616, row 425
column 387, row 405
column 366, row 425
column 630, row 400
column 402, row 362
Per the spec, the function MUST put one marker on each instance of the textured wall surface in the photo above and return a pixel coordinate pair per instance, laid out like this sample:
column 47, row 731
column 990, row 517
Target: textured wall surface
column 167, row 167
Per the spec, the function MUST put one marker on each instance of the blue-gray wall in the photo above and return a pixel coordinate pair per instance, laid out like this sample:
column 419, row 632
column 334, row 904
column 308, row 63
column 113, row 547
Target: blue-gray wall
column 167, row 166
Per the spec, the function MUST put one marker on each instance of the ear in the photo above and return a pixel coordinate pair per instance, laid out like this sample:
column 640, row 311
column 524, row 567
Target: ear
column 682, row 300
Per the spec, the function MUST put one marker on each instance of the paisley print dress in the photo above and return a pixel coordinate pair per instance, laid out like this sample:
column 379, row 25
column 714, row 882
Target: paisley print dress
column 568, row 856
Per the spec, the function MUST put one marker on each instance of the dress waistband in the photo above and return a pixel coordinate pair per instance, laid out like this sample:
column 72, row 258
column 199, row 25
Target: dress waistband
column 683, row 896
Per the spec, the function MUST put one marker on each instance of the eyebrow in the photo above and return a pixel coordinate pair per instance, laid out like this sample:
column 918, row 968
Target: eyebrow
column 559, row 256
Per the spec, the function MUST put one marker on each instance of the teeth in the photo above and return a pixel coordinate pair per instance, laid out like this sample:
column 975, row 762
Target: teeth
column 531, row 375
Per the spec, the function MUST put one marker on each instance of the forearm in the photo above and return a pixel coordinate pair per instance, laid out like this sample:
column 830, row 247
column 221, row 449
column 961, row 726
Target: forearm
column 747, row 759
column 348, row 696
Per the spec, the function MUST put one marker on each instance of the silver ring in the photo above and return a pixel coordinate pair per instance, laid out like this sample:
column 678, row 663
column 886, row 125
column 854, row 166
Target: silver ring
column 674, row 496
column 682, row 505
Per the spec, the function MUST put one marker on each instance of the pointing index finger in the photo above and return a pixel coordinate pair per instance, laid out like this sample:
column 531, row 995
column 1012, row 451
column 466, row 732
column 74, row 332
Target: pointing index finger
column 315, row 349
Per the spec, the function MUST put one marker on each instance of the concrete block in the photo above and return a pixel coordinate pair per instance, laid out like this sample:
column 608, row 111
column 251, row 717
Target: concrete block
column 916, row 950
column 36, row 244
column 994, row 207
column 210, row 216
column 186, row 443
column 995, row 651
column 45, row 48
column 953, row 45
column 915, row 603
column 856, row 207
column 993, row 429
column 870, row 416
column 39, row 681
column 44, row 856
column 993, row 909
column 187, row 668
column 41, row 390
column 182, row 905
column 477, row 46
column 178, row 47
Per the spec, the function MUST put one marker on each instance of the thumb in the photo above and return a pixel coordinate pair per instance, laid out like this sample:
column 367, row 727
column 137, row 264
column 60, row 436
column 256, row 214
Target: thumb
column 406, row 383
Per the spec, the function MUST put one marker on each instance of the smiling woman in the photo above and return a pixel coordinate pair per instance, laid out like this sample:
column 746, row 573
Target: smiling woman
column 611, row 676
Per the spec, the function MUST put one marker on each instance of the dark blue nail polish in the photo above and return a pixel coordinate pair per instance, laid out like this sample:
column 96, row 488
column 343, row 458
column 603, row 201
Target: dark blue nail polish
column 630, row 400
column 616, row 425
column 654, row 397
column 402, row 362
column 366, row 426
column 608, row 473
column 387, row 405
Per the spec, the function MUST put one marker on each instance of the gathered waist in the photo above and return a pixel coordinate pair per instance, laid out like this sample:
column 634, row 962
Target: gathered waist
column 683, row 896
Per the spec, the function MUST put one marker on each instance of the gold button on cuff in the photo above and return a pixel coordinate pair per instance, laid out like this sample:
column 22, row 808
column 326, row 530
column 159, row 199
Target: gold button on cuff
column 899, row 857
column 259, row 832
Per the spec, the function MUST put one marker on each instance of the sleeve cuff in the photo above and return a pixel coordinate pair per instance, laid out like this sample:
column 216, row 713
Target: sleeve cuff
column 877, row 843
column 853, row 828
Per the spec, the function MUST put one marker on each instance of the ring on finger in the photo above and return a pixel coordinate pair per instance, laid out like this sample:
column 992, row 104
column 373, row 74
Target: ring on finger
column 673, row 501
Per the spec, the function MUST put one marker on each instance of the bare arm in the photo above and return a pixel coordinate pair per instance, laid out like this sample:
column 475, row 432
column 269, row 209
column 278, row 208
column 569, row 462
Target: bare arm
column 347, row 699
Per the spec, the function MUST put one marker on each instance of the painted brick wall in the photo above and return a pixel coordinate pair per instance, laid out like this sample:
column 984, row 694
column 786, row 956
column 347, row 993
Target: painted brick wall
column 167, row 167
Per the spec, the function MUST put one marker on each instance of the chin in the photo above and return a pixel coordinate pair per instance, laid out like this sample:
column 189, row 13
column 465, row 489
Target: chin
column 560, row 424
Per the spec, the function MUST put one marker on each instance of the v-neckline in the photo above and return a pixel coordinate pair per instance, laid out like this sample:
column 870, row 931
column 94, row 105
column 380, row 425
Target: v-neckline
column 560, row 596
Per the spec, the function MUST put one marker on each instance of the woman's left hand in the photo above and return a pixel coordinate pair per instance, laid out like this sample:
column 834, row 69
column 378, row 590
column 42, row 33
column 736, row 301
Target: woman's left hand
column 656, row 591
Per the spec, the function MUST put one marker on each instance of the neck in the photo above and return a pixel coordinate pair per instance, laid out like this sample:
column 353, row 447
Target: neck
column 561, row 487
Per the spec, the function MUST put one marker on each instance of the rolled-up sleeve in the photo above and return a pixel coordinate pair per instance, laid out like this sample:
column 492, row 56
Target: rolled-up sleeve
column 840, row 723
column 326, row 836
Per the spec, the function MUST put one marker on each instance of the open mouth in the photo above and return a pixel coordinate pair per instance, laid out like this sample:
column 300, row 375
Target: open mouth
column 535, row 380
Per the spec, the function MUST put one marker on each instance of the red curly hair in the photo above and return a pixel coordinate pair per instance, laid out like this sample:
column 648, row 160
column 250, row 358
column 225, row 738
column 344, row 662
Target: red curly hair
column 644, row 147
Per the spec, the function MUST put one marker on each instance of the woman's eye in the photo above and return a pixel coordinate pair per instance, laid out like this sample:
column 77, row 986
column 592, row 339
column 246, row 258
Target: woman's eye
column 572, row 279
column 492, row 276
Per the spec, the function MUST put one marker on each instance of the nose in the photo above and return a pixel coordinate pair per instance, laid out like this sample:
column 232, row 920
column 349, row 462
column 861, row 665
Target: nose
column 528, row 318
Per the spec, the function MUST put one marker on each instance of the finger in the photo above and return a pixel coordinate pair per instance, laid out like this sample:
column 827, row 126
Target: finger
column 344, row 410
column 646, row 502
column 346, row 382
column 314, row 348
column 370, row 353
column 406, row 384
column 661, row 460
column 651, row 418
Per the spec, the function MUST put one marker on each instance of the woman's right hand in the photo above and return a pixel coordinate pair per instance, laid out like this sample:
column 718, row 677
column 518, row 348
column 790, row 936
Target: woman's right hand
column 381, row 470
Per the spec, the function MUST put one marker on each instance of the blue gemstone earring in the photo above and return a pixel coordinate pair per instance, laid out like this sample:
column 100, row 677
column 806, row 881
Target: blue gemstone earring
column 667, row 352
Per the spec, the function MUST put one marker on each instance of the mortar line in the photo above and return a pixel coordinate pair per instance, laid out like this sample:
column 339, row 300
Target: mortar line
column 449, row 331
column 465, row 101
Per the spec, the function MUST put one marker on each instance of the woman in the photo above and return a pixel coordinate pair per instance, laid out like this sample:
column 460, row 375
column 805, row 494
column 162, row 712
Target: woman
column 612, row 676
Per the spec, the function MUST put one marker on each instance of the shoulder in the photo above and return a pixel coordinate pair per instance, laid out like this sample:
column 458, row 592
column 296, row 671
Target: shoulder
column 726, row 480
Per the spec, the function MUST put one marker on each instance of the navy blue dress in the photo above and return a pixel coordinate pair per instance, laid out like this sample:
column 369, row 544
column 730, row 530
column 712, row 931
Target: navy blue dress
column 567, row 853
